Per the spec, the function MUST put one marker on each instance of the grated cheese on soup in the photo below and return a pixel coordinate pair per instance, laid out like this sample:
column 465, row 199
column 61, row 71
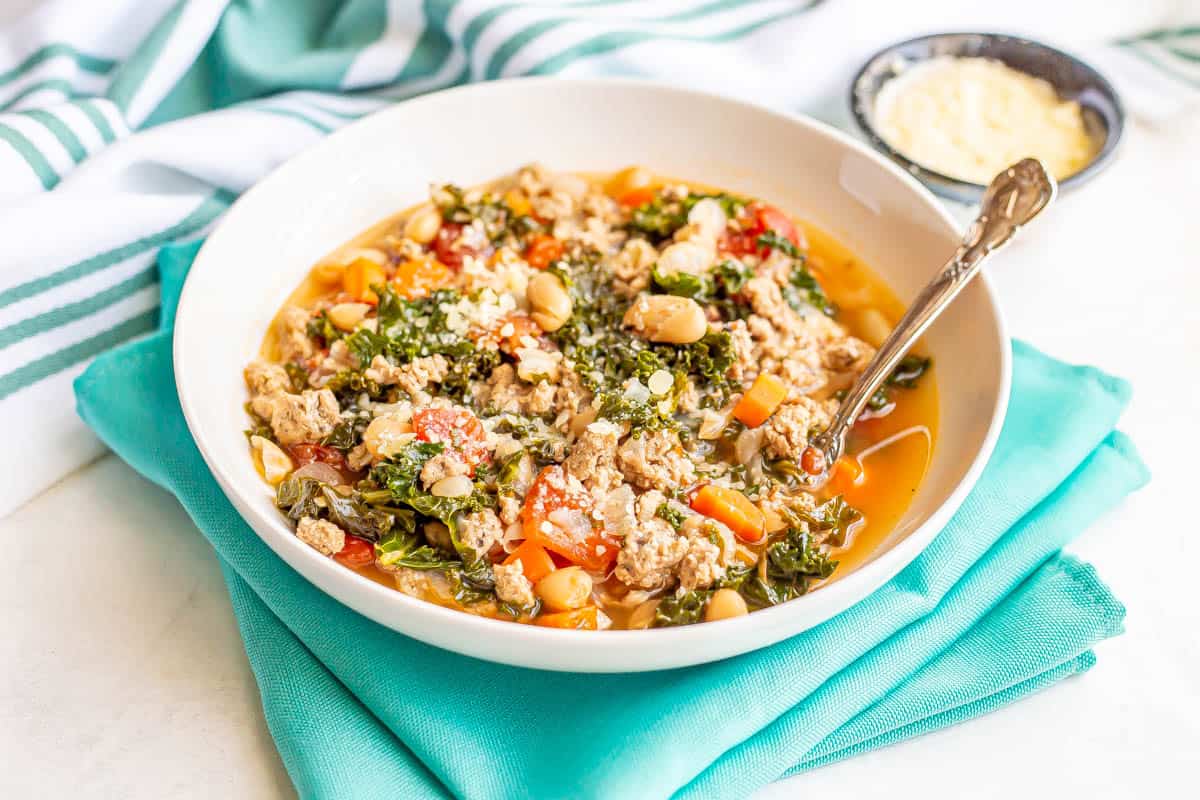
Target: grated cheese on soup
column 969, row 118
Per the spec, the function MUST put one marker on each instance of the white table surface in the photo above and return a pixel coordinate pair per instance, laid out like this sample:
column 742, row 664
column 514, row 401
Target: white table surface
column 122, row 672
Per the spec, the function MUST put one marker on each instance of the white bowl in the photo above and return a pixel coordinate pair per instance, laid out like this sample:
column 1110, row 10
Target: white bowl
column 381, row 164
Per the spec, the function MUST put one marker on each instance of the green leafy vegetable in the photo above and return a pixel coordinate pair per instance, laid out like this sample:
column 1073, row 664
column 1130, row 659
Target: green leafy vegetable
column 685, row 609
column 308, row 497
column 774, row 241
column 297, row 375
column 683, row 284
column 909, row 371
column 321, row 327
column 836, row 516
column 791, row 565
column 671, row 514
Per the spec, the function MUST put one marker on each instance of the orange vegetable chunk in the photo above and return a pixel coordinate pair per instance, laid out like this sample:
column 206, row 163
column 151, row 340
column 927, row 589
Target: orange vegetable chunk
column 535, row 561
column 581, row 619
column 360, row 275
column 543, row 250
column 556, row 515
column 419, row 277
column 638, row 197
column 760, row 401
column 732, row 508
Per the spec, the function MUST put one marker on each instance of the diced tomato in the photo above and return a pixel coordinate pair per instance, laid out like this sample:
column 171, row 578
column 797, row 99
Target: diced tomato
column 457, row 428
column 356, row 552
column 444, row 245
column 742, row 243
column 419, row 277
column 581, row 619
column 543, row 250
column 552, row 492
column 308, row 452
column 638, row 197
column 535, row 561
column 772, row 219
column 759, row 219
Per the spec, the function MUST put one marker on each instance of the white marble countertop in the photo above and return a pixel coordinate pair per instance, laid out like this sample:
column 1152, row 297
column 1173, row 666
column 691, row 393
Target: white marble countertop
column 122, row 672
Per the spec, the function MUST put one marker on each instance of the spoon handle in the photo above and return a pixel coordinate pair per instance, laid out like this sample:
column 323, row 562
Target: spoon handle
column 1013, row 198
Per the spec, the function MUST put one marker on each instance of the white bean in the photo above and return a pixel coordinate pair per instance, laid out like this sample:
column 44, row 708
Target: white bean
column 666, row 318
column 550, row 305
column 423, row 225
column 275, row 462
column 346, row 316
column 690, row 257
column 387, row 434
column 565, row 589
column 725, row 604
column 453, row 486
column 709, row 218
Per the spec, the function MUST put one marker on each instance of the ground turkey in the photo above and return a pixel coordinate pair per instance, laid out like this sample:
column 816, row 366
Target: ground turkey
column 593, row 456
column 512, row 586
column 294, row 341
column 656, row 461
column 652, row 549
column 325, row 537
column 413, row 377
column 306, row 417
column 479, row 530
column 786, row 432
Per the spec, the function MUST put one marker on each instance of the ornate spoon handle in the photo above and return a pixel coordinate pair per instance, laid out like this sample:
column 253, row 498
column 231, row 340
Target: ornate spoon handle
column 1013, row 198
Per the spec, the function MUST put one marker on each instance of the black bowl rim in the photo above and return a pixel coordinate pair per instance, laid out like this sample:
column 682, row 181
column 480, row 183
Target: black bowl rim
column 939, row 182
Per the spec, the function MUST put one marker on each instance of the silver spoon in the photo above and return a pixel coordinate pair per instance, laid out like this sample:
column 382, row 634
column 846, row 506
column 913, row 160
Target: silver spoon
column 1012, row 199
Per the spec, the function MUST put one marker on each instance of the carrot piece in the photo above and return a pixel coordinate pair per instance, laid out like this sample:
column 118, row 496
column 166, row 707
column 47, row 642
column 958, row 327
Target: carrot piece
column 419, row 277
column 535, row 561
column 517, row 202
column 638, row 197
column 732, row 508
column 847, row 474
column 543, row 250
column 580, row 619
column 759, row 402
column 360, row 275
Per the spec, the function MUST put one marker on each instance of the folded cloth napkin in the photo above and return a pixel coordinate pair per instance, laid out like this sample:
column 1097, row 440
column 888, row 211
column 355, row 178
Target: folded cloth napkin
column 86, row 87
column 990, row 612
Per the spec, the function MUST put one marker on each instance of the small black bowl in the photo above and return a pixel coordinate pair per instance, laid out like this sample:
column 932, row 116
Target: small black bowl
column 1073, row 79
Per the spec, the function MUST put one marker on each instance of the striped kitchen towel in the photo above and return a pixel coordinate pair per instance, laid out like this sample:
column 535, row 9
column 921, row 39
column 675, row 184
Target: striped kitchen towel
column 128, row 124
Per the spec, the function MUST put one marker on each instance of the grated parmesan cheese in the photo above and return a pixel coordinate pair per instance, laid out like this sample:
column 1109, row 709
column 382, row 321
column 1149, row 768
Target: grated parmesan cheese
column 969, row 118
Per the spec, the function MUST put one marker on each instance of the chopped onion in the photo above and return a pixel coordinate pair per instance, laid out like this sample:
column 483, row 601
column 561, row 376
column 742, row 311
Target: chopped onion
column 319, row 470
column 748, row 443
column 572, row 521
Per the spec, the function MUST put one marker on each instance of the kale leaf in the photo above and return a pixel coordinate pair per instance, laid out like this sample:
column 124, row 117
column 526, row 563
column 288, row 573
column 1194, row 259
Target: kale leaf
column 685, row 609
column 791, row 565
column 672, row 515
column 308, row 497
column 835, row 515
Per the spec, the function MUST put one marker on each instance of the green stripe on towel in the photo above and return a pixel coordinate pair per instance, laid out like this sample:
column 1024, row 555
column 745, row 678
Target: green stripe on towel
column 72, row 312
column 61, row 131
column 37, row 162
column 56, row 362
column 205, row 213
column 84, row 61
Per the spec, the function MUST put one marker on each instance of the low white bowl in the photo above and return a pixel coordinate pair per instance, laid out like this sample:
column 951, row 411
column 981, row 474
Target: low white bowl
column 378, row 165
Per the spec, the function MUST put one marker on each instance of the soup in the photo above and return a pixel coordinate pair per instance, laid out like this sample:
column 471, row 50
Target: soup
column 585, row 402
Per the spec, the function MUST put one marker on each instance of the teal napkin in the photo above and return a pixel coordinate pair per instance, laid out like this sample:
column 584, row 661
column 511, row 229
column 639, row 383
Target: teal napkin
column 989, row 613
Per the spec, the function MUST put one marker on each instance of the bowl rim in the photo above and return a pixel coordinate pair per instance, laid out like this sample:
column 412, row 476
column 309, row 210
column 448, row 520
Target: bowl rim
column 964, row 188
column 587, row 648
